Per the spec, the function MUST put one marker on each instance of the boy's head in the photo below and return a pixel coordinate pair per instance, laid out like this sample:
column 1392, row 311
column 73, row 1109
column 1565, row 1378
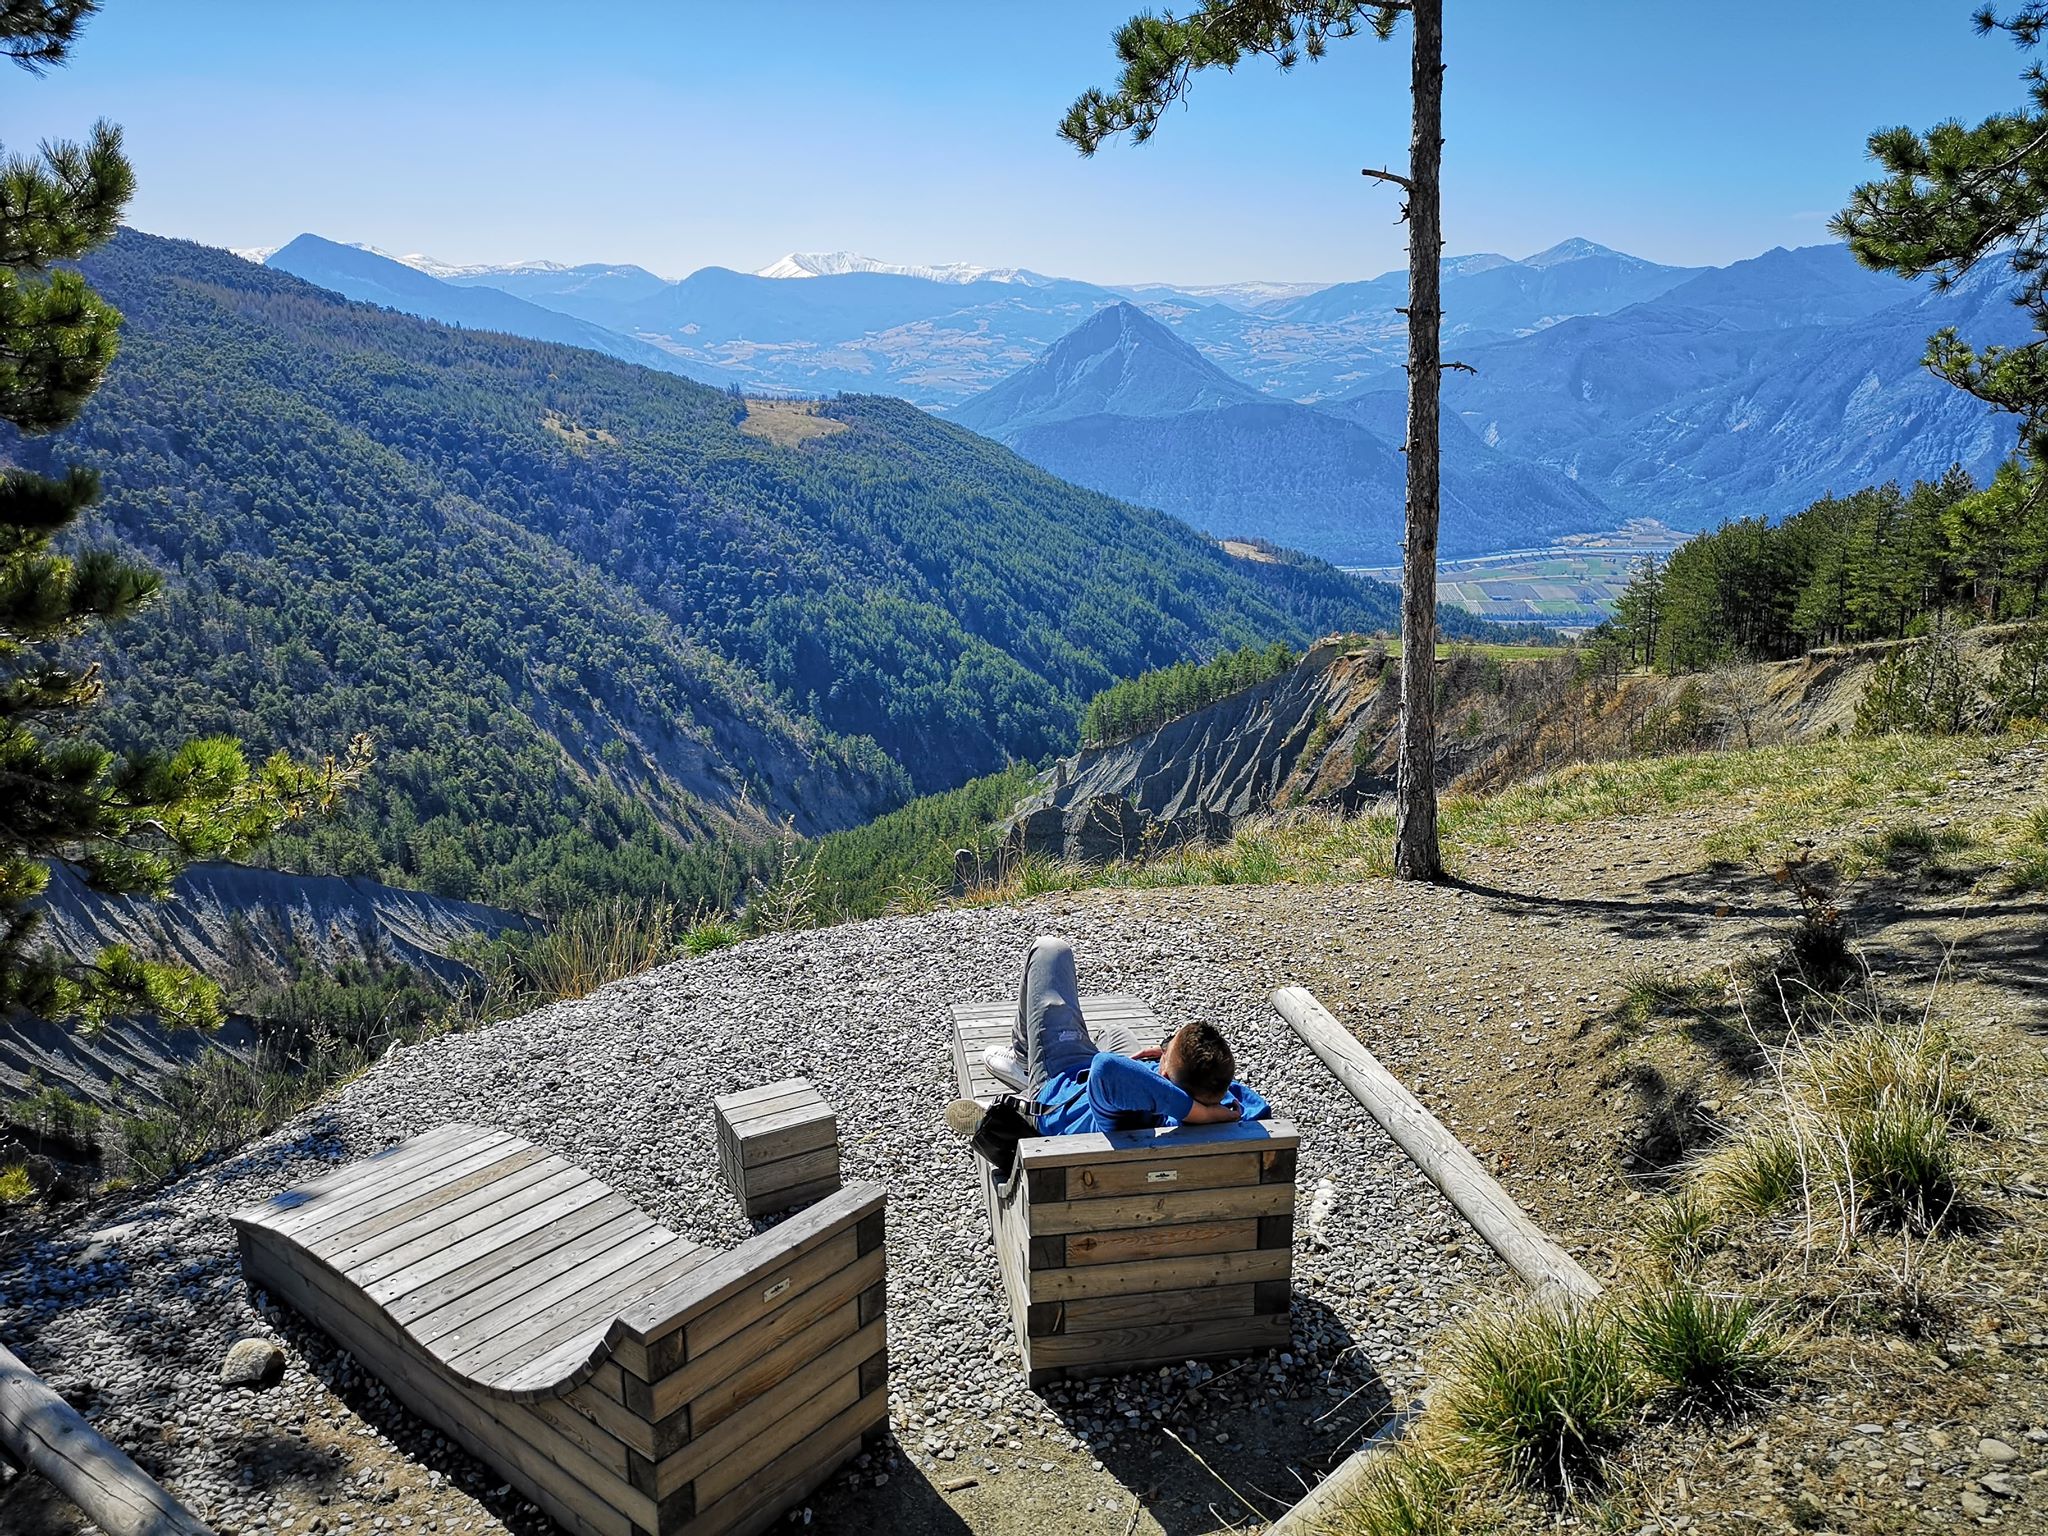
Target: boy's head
column 1198, row 1061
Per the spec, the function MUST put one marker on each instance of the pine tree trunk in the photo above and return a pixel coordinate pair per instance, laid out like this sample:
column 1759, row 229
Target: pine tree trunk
column 1416, row 855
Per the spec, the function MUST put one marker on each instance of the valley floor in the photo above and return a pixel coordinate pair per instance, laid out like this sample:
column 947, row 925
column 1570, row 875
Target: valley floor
column 1500, row 999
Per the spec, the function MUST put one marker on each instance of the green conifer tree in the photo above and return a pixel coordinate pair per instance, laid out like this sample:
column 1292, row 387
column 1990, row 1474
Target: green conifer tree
column 1954, row 196
column 1160, row 55
column 127, row 823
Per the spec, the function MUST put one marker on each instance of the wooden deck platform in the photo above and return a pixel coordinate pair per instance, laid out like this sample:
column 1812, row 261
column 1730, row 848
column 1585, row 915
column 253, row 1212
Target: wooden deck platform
column 1139, row 1248
column 629, row 1381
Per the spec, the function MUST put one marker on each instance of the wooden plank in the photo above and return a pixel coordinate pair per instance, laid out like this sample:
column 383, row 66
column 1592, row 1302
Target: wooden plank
column 792, row 1197
column 398, row 1271
column 1098, row 1181
column 486, row 1280
column 52, row 1439
column 806, row 1099
column 1139, row 1243
column 485, row 1188
column 593, row 1504
column 382, row 1182
column 1449, row 1165
column 318, row 1229
column 1228, row 1204
column 743, row 1098
column 547, row 1287
column 788, row 1172
column 1177, row 1274
column 1180, row 1142
column 339, row 1178
column 608, row 1451
column 665, row 1311
column 693, row 1381
column 769, row 1507
column 801, row 1378
column 578, row 1325
column 1151, row 1307
column 600, row 1399
column 769, row 1368
column 820, row 1453
column 785, row 1135
column 826, row 1399
column 1162, row 1343
column 713, row 1325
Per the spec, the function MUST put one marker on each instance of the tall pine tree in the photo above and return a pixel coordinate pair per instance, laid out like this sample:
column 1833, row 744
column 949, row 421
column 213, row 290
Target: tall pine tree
column 1160, row 56
column 127, row 823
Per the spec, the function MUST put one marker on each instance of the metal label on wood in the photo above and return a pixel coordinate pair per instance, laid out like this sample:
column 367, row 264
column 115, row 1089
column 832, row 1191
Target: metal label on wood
column 1162, row 1176
column 776, row 1289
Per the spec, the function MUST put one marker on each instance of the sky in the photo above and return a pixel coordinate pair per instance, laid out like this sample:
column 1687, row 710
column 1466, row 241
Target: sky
column 684, row 135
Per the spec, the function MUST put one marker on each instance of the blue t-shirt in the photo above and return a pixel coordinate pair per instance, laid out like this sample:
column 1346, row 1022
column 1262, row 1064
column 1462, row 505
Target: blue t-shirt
column 1118, row 1093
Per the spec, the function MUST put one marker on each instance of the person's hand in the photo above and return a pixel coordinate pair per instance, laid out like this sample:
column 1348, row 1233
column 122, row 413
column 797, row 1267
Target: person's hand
column 1212, row 1114
column 1152, row 1053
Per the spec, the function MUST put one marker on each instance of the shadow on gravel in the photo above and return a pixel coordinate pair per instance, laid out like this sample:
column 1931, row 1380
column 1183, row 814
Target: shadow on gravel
column 1212, row 1454
column 1669, row 907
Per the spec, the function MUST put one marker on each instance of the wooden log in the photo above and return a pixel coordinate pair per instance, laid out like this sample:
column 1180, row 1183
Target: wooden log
column 1547, row 1269
column 53, row 1439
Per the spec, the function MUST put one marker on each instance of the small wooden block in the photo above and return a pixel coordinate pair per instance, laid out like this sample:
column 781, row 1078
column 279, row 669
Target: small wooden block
column 778, row 1145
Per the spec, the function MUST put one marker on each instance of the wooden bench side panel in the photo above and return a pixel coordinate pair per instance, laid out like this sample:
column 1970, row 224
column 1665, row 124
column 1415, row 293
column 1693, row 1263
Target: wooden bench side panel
column 760, row 1376
column 1150, row 1248
column 578, row 1474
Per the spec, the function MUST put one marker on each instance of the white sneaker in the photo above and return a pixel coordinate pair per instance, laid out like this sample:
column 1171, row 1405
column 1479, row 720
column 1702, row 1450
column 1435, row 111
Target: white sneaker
column 1007, row 1065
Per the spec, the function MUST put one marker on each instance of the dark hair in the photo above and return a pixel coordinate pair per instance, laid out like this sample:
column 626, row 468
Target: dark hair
column 1204, row 1060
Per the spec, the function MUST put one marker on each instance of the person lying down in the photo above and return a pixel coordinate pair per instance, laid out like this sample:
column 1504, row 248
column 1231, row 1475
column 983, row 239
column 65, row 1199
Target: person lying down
column 1082, row 1080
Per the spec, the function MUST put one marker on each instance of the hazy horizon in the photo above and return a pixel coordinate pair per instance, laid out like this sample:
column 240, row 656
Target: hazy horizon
column 921, row 133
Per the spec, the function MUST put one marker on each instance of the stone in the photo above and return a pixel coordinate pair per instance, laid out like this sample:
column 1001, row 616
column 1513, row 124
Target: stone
column 1997, row 1452
column 1998, row 1484
column 252, row 1363
column 1976, row 1506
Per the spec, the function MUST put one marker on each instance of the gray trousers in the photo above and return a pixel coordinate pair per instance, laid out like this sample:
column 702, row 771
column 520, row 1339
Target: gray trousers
column 1050, row 1036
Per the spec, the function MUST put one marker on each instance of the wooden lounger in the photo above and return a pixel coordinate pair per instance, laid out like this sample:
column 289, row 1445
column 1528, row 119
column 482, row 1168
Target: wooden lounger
column 627, row 1380
column 1139, row 1248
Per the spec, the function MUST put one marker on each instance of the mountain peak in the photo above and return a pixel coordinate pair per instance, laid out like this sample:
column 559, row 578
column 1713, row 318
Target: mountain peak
column 1574, row 249
column 800, row 264
column 1118, row 362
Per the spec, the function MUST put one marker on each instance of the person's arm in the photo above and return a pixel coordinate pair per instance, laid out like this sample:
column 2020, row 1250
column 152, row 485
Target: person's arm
column 1119, row 1086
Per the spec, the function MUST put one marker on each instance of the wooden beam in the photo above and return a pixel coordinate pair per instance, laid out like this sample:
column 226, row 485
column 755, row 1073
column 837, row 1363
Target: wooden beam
column 1547, row 1269
column 53, row 1439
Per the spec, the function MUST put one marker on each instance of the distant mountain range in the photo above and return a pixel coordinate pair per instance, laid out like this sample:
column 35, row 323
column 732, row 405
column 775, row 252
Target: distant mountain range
column 1608, row 386
column 1123, row 405
column 594, row 615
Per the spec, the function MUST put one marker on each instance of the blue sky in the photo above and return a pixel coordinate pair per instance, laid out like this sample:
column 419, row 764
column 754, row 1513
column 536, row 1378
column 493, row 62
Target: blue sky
column 685, row 135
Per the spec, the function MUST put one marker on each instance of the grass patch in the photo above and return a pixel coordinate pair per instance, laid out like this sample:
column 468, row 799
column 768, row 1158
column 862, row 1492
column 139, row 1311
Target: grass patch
column 15, row 1188
column 1681, row 1230
column 1708, row 1355
column 1543, row 1394
column 789, row 423
column 1405, row 1492
column 710, row 934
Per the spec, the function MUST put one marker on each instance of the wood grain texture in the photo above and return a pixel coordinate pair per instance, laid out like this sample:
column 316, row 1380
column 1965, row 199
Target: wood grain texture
column 506, row 1300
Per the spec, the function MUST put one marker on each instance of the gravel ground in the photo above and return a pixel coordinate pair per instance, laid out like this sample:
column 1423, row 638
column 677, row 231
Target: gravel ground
column 132, row 1317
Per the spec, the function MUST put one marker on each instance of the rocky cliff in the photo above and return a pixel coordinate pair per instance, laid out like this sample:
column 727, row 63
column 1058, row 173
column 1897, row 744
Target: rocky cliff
column 1324, row 734
column 260, row 926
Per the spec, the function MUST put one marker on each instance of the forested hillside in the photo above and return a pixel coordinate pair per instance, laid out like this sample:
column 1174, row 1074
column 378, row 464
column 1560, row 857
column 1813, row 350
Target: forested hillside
column 591, row 613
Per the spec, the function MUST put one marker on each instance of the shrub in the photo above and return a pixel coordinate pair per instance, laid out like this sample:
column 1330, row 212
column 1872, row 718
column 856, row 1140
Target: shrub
column 2019, row 689
column 15, row 1188
column 1710, row 1353
column 1541, row 1392
column 1924, row 688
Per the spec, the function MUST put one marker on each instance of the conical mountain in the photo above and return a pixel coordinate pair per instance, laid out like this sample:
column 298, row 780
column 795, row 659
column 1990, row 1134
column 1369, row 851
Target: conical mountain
column 1118, row 362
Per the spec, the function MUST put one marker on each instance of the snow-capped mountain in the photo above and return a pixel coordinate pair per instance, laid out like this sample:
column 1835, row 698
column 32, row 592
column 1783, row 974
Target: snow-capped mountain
column 839, row 263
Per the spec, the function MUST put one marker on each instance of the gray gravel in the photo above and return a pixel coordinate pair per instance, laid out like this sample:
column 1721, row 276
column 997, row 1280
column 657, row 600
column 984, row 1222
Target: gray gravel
column 133, row 1312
